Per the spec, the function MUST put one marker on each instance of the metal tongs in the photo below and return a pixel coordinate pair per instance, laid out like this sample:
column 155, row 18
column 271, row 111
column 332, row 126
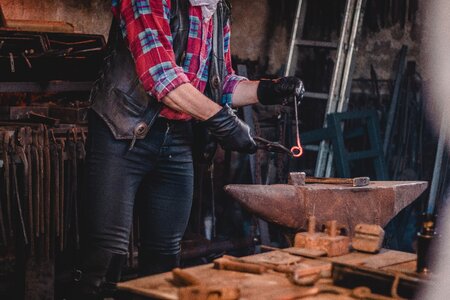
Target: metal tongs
column 269, row 146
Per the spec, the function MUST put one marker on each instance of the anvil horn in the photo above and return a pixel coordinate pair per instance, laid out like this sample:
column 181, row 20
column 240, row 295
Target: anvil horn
column 290, row 205
column 270, row 202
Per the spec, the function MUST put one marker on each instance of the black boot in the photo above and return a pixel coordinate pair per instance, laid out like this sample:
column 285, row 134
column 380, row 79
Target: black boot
column 151, row 262
column 114, row 275
column 89, row 279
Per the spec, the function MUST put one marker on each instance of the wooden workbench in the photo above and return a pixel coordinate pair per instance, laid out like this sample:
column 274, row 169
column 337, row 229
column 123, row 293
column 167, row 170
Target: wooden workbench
column 270, row 285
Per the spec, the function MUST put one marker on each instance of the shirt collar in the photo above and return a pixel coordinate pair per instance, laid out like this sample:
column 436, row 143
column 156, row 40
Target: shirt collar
column 208, row 7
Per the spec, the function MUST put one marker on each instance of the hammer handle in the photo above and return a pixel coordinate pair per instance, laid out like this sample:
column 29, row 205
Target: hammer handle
column 184, row 278
column 329, row 180
column 226, row 264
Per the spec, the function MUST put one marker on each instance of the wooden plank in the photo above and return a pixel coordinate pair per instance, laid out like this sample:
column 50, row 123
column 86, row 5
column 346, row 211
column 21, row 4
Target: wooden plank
column 252, row 286
column 269, row 285
column 389, row 258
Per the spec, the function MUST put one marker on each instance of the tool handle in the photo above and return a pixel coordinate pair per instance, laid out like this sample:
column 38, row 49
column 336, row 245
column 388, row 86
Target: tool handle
column 226, row 264
column 329, row 180
column 184, row 278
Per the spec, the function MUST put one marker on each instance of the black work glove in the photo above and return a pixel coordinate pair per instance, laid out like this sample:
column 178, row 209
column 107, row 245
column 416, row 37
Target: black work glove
column 230, row 132
column 279, row 91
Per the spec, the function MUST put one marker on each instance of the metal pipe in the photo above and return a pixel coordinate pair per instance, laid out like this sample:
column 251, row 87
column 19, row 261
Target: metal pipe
column 293, row 40
column 438, row 164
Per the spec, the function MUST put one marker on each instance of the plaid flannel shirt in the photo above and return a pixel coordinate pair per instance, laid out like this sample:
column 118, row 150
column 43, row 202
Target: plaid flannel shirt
column 146, row 28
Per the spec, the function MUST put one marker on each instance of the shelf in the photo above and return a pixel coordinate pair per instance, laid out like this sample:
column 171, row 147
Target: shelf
column 45, row 87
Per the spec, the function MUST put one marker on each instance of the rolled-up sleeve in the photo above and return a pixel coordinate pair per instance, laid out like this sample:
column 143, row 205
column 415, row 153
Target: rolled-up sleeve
column 145, row 26
column 231, row 79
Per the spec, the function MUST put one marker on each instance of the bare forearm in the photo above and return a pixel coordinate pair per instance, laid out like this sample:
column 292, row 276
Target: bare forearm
column 245, row 93
column 187, row 99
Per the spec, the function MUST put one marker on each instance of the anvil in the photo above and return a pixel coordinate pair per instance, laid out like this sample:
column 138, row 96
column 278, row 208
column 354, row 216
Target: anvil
column 290, row 205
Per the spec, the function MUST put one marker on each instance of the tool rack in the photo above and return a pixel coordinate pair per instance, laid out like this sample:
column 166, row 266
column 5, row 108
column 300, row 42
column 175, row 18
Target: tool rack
column 39, row 206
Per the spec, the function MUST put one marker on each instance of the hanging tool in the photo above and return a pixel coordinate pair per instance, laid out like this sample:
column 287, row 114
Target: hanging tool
column 16, row 193
column 7, row 176
column 297, row 150
column 12, row 64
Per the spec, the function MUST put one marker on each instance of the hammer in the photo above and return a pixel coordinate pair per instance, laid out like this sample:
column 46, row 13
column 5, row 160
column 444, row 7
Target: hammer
column 299, row 178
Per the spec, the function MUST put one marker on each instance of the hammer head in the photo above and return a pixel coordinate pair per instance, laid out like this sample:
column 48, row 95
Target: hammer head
column 297, row 178
column 361, row 181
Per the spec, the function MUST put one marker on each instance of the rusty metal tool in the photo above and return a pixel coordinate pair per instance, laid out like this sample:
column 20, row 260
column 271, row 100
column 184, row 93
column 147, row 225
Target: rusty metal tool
column 54, row 194
column 7, row 176
column 183, row 278
column 286, row 269
column 227, row 264
column 209, row 293
column 40, row 141
column 300, row 178
column 22, row 147
column 55, row 185
column 269, row 146
column 16, row 193
column 61, row 152
column 47, row 193
column 356, row 182
column 12, row 63
column 27, row 141
column 368, row 238
column 193, row 289
column 36, row 182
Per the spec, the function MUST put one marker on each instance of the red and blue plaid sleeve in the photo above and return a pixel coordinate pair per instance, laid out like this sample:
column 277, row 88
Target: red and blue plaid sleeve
column 145, row 26
column 231, row 79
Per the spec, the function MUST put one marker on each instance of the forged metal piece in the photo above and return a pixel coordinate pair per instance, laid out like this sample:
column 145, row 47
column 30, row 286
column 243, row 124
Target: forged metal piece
column 290, row 206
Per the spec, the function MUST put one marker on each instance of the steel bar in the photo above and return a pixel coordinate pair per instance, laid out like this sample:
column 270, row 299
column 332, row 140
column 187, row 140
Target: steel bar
column 395, row 99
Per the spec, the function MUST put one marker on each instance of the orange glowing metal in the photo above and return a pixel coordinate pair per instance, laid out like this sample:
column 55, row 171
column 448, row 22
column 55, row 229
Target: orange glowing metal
column 297, row 150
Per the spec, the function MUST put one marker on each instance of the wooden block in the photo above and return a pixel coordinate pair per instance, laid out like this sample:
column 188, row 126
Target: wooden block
column 331, row 243
column 308, row 240
column 335, row 246
column 368, row 238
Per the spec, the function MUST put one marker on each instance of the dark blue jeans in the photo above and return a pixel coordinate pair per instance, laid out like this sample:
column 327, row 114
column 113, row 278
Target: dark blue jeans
column 156, row 175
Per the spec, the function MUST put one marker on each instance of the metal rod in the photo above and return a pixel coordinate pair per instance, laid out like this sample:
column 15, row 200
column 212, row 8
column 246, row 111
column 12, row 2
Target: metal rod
column 438, row 164
column 394, row 101
column 293, row 40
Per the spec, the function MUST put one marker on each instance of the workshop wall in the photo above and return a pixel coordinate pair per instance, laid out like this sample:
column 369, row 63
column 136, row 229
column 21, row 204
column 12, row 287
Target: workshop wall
column 88, row 16
column 261, row 29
